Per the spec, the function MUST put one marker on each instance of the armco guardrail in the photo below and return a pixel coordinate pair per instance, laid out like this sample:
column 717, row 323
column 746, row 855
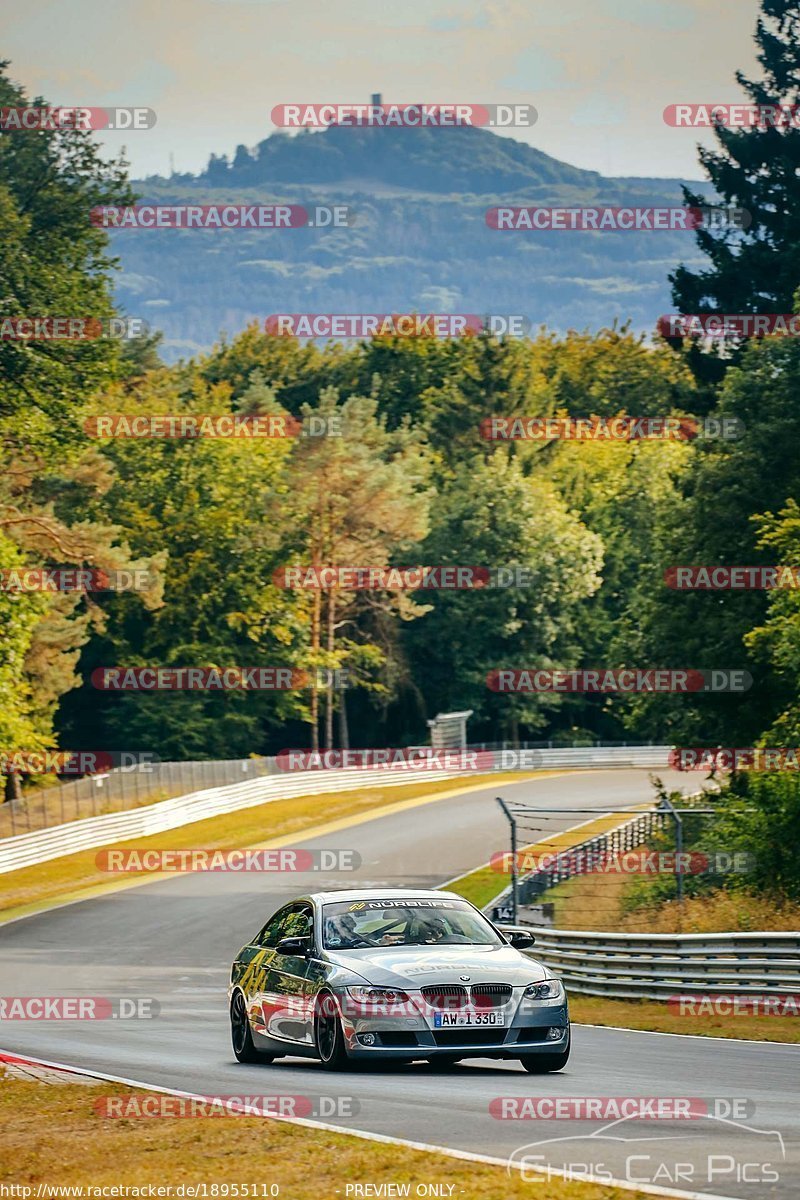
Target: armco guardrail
column 26, row 849
column 130, row 786
column 45, row 844
column 143, row 779
column 655, row 966
column 624, row 837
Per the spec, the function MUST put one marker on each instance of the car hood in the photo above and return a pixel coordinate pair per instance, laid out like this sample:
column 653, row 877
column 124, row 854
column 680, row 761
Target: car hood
column 413, row 967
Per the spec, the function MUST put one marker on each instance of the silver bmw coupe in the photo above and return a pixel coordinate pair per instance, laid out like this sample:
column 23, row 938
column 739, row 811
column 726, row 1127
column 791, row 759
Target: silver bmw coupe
column 390, row 973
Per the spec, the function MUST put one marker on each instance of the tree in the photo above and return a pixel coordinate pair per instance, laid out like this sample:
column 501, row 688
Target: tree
column 626, row 494
column 728, row 485
column 56, row 519
column 777, row 639
column 492, row 516
column 352, row 500
column 296, row 373
column 19, row 615
column 204, row 508
column 53, row 263
column 756, row 169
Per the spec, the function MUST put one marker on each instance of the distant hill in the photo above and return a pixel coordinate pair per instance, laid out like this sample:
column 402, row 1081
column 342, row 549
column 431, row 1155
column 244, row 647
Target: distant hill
column 443, row 161
column 420, row 240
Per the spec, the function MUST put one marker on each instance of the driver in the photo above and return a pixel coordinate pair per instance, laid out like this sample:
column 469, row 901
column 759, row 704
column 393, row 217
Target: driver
column 344, row 928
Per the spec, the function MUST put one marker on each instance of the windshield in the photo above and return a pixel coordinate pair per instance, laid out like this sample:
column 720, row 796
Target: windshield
column 359, row 924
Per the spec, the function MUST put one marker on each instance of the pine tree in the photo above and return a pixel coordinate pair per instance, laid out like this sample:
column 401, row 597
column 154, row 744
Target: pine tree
column 756, row 168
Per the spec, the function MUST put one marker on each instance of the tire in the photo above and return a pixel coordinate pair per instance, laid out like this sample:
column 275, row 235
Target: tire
column 543, row 1064
column 242, row 1036
column 328, row 1035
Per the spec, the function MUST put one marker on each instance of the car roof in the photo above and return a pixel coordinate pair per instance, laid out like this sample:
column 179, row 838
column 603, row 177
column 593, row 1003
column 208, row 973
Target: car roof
column 378, row 894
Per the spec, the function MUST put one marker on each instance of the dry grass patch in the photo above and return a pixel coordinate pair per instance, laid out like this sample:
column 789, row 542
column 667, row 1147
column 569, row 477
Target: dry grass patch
column 54, row 1135
column 598, row 901
column 656, row 1017
column 482, row 885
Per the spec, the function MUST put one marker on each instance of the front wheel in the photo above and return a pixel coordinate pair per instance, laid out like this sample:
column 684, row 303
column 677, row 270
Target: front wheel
column 543, row 1064
column 329, row 1036
column 241, row 1034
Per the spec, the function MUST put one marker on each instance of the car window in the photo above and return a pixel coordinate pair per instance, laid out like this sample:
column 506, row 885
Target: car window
column 410, row 922
column 299, row 922
column 271, row 933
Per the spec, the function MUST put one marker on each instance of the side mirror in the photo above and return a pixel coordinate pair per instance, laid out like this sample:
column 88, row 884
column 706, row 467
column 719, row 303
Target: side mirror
column 296, row 947
column 520, row 941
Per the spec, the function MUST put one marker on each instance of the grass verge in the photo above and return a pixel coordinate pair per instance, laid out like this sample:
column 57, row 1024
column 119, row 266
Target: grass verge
column 656, row 1017
column 482, row 885
column 603, row 901
column 595, row 902
column 306, row 1164
column 76, row 875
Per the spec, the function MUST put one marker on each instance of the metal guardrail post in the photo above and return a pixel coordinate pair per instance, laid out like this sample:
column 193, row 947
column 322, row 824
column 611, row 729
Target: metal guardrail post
column 670, row 808
column 514, row 879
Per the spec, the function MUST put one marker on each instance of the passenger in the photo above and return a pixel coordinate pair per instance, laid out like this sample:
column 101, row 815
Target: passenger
column 429, row 929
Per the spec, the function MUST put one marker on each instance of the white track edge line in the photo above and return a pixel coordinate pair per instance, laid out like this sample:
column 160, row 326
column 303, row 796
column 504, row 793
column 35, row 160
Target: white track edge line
column 702, row 1037
column 386, row 1139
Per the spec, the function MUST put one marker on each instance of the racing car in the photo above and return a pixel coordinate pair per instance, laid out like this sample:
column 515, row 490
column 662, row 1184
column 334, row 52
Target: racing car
column 348, row 976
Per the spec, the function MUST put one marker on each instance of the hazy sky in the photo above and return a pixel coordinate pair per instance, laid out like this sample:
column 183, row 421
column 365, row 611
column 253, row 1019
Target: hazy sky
column 600, row 72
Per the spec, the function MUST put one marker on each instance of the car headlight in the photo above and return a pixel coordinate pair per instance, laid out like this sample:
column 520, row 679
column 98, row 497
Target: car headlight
column 376, row 995
column 551, row 989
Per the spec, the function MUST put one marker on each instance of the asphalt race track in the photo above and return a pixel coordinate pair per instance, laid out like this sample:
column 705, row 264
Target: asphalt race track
column 175, row 939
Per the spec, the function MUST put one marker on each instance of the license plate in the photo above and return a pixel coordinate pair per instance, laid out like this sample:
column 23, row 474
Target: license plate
column 444, row 1020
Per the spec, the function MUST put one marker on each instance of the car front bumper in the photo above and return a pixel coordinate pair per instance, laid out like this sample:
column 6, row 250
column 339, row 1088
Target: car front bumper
column 528, row 1031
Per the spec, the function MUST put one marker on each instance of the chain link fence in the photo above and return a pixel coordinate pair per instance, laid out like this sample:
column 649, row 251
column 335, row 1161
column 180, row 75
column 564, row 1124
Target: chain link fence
column 123, row 788
column 58, row 802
